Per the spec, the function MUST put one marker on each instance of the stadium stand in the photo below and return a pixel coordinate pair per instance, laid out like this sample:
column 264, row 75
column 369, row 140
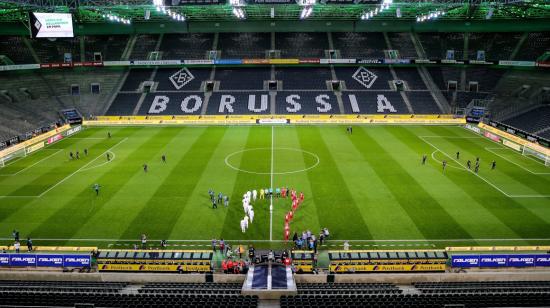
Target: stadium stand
column 374, row 102
column 180, row 79
column 303, row 78
column 186, row 46
column 304, row 102
column 243, row 78
column 166, row 103
column 536, row 45
column 244, row 45
column 362, row 78
column 15, row 49
column 423, row 102
column 239, row 103
column 111, row 47
column 301, row 44
column 402, row 42
column 531, row 121
column 52, row 50
column 497, row 46
column 411, row 76
column 123, row 104
column 462, row 98
column 347, row 288
column 442, row 75
column 436, row 44
column 135, row 78
column 360, row 44
column 109, row 294
column 486, row 77
column 145, row 44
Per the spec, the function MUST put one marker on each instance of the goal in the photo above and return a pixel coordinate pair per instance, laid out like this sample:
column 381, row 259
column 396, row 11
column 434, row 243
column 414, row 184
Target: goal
column 13, row 155
column 537, row 152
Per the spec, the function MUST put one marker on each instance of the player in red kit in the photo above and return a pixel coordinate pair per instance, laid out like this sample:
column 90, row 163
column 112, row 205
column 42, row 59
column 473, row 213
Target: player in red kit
column 301, row 197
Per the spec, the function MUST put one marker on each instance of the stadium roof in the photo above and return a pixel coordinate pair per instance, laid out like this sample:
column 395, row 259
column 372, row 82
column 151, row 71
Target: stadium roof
column 94, row 11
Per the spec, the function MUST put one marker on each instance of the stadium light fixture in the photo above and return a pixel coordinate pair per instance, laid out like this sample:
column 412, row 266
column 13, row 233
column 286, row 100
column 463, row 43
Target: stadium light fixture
column 490, row 13
column 306, row 12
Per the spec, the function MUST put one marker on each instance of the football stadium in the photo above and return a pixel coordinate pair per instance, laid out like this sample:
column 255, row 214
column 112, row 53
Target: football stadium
column 274, row 153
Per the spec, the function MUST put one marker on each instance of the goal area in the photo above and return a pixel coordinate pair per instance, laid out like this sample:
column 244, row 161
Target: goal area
column 538, row 153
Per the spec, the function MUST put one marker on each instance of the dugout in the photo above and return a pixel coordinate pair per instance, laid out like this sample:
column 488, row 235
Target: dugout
column 364, row 261
column 303, row 261
column 176, row 261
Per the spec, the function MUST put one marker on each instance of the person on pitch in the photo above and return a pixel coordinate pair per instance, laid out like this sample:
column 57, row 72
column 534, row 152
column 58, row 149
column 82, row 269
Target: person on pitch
column 424, row 157
column 469, row 164
column 457, row 155
column 254, row 195
column 108, row 156
column 145, row 168
column 493, row 165
column 96, row 189
column 163, row 158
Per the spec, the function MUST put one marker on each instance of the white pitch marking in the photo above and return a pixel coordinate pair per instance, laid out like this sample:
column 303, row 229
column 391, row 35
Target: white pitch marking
column 83, row 167
column 102, row 164
column 492, row 151
column 482, row 178
column 271, row 186
column 43, row 159
column 461, row 169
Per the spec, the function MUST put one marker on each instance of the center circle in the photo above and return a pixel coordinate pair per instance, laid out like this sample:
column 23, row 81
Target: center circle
column 285, row 160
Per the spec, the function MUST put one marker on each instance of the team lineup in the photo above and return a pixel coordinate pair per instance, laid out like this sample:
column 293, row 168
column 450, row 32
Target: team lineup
column 251, row 197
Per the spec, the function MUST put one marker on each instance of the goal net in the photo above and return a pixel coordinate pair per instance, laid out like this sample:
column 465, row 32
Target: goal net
column 13, row 155
column 537, row 152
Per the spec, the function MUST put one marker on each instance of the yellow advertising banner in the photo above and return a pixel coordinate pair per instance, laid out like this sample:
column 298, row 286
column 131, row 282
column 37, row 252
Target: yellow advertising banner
column 153, row 268
column 515, row 138
column 388, row 268
column 32, row 141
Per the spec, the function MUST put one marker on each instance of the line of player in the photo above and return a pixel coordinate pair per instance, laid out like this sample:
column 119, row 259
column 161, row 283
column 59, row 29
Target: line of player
column 468, row 163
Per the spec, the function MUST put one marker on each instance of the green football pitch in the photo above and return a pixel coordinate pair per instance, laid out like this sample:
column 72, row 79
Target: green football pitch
column 369, row 187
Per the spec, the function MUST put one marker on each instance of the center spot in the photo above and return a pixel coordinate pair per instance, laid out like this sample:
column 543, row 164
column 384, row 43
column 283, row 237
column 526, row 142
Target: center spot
column 259, row 160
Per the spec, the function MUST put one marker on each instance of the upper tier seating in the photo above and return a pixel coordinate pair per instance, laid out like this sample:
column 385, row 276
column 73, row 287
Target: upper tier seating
column 244, row 45
column 186, row 46
column 437, row 44
column 497, row 46
column 14, row 48
column 535, row 46
column 531, row 121
column 53, row 50
column 403, row 43
column 110, row 46
column 299, row 44
column 360, row 44
column 145, row 44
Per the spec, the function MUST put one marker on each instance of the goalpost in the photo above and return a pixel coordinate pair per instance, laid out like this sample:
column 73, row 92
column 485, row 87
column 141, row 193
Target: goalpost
column 537, row 152
column 7, row 157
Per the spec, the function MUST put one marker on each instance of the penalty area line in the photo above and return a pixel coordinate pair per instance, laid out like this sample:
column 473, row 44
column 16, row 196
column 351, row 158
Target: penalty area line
column 81, row 168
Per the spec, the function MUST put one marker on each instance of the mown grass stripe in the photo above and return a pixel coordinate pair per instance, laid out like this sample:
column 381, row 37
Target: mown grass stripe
column 336, row 207
column 473, row 216
column 376, row 200
column 512, row 213
column 218, row 177
column 429, row 216
column 159, row 215
column 258, row 137
column 78, row 210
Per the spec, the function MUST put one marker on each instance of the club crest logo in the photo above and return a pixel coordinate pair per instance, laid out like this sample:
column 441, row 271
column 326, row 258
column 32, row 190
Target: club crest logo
column 364, row 77
column 180, row 78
